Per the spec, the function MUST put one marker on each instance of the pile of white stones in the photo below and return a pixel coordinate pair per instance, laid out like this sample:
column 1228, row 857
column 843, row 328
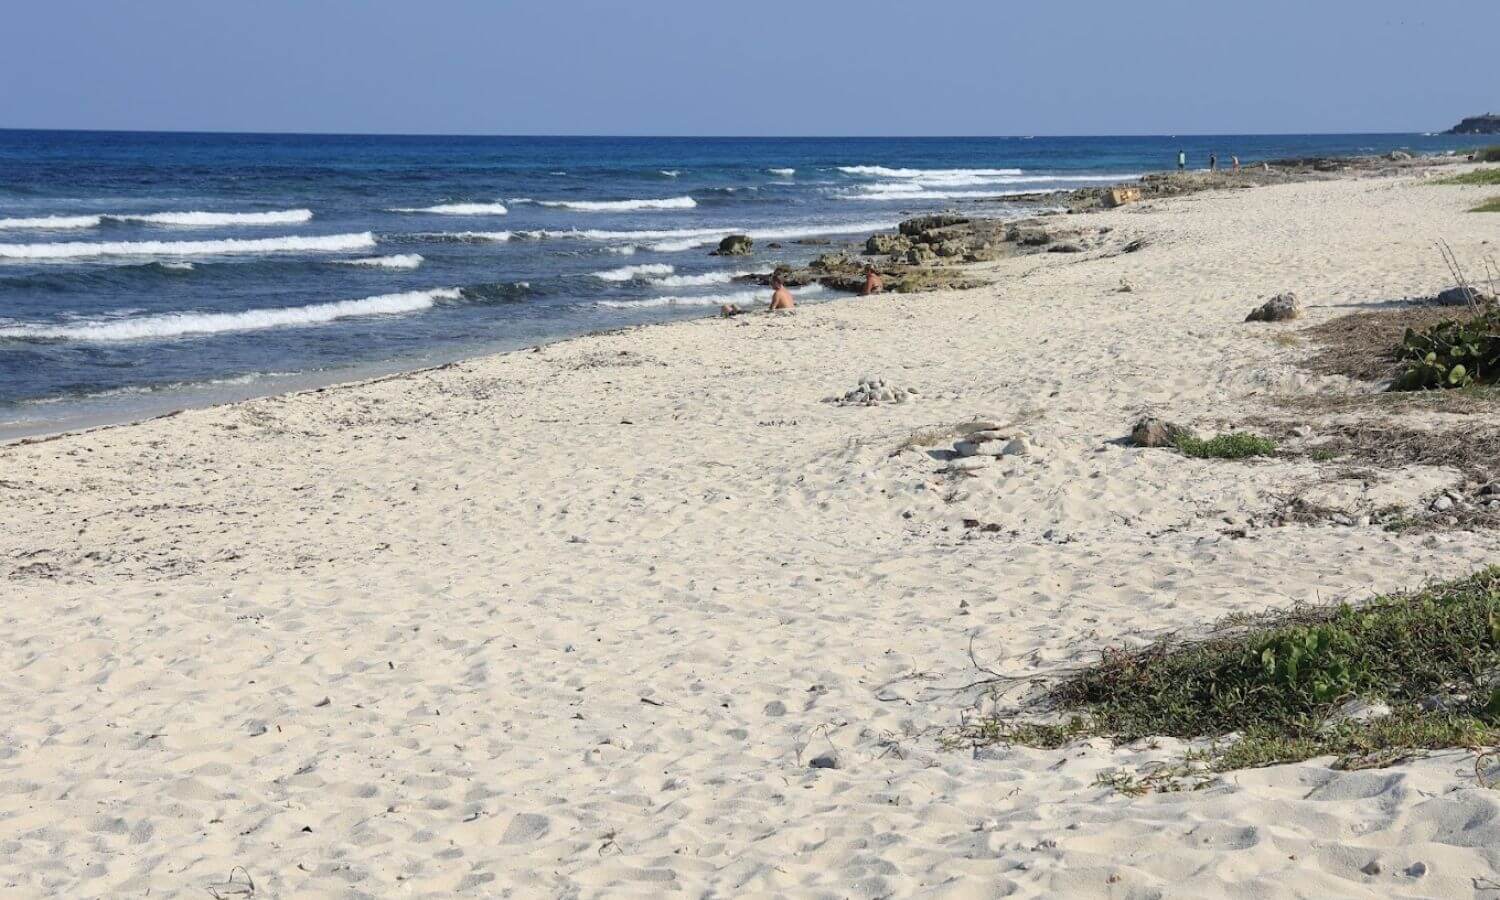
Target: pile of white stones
column 872, row 391
column 981, row 447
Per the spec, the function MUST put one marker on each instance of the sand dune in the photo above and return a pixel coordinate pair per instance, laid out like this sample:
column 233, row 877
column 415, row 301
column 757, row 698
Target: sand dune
column 574, row 622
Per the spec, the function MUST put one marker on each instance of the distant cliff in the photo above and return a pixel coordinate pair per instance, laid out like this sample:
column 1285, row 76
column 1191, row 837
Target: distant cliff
column 1489, row 123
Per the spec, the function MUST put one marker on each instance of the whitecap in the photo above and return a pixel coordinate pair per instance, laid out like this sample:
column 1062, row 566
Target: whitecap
column 628, row 273
column 52, row 222
column 458, row 209
column 176, row 324
column 398, row 261
column 331, row 243
column 671, row 173
column 784, row 173
column 613, row 205
column 200, row 219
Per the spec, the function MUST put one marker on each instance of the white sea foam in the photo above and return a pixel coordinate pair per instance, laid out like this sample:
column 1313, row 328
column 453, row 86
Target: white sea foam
column 399, row 261
column 192, row 219
column 469, row 237
column 627, row 273
column 331, row 243
column 916, row 191
column 458, row 209
column 52, row 222
column 671, row 173
column 886, row 172
column 612, row 205
column 177, row 266
column 176, row 324
column 199, row 219
column 782, row 172
column 952, row 178
column 689, row 242
column 703, row 280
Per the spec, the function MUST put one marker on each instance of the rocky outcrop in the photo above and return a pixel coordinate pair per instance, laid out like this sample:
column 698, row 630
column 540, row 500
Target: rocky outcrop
column 887, row 244
column 1154, row 432
column 1489, row 123
column 1280, row 308
column 735, row 245
column 914, row 227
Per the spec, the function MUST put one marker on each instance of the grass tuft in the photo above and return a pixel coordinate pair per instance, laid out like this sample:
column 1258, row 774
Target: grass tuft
column 1237, row 445
column 1266, row 689
column 1478, row 176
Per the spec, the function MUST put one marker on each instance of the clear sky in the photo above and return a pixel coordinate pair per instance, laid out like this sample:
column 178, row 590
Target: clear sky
column 774, row 67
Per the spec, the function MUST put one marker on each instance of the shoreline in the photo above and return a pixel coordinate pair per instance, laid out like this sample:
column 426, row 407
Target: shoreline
column 210, row 395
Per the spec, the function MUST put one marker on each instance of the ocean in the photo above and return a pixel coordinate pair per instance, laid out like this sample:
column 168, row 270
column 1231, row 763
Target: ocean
column 144, row 272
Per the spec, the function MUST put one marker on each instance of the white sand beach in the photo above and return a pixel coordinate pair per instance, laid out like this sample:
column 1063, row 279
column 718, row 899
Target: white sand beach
column 575, row 622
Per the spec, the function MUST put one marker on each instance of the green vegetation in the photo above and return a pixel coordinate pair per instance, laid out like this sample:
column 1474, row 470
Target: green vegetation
column 1277, row 681
column 1487, row 154
column 1237, row 445
column 1478, row 176
column 1490, row 205
column 1450, row 354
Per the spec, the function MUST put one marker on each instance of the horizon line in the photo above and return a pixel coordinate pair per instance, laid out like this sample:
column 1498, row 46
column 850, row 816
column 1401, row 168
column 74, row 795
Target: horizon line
column 736, row 137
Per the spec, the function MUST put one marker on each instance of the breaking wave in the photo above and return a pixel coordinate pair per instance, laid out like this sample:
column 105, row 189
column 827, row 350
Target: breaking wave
column 468, row 237
column 198, row 219
column 784, row 173
column 332, row 243
column 628, row 273
column 458, row 209
column 399, row 261
column 176, row 324
column 52, row 222
column 194, row 219
column 613, row 205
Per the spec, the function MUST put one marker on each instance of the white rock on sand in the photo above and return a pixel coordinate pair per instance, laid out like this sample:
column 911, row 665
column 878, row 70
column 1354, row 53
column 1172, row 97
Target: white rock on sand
column 745, row 597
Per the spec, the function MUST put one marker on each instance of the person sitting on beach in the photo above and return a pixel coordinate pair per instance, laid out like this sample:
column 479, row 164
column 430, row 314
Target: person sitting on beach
column 873, row 284
column 781, row 299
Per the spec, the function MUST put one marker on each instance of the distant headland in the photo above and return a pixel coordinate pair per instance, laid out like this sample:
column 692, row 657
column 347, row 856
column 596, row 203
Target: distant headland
column 1489, row 123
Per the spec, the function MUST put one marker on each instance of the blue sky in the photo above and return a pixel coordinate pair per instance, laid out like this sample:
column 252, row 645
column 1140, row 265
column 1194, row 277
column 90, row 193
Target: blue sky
column 767, row 68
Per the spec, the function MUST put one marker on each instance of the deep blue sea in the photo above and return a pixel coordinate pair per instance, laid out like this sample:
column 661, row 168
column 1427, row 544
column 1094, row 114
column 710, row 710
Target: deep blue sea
column 140, row 271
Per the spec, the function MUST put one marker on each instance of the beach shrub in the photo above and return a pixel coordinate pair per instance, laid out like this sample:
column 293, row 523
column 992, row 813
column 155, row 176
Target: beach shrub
column 1488, row 154
column 1451, row 354
column 1282, row 682
column 1236, row 445
column 1478, row 176
column 1490, row 205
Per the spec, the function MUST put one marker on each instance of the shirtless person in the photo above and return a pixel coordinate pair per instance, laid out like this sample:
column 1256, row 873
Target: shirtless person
column 781, row 299
column 873, row 284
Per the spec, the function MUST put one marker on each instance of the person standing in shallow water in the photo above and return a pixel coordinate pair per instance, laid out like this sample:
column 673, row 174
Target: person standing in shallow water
column 1213, row 162
column 1181, row 160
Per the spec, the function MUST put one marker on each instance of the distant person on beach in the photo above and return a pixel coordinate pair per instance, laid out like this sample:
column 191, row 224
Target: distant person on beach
column 1235, row 161
column 1213, row 162
column 873, row 284
column 781, row 299
column 1181, row 160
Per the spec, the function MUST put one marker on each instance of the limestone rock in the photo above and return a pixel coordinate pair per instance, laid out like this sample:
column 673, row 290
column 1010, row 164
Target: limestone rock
column 920, row 224
column 1280, row 308
column 735, row 245
column 886, row 244
column 1154, row 432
